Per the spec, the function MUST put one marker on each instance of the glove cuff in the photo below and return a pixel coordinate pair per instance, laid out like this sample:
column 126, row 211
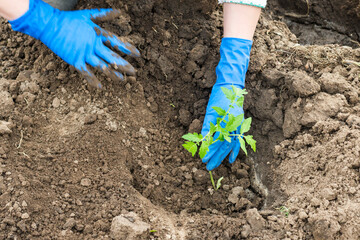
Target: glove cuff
column 234, row 61
column 34, row 21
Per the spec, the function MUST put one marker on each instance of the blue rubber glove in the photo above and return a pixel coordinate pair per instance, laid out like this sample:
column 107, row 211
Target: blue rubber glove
column 74, row 37
column 231, row 70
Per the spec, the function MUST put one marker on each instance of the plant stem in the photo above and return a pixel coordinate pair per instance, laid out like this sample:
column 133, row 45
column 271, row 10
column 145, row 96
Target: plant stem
column 222, row 119
column 212, row 180
column 236, row 135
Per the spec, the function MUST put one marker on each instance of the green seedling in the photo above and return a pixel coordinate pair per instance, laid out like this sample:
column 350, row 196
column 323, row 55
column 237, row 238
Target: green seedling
column 153, row 231
column 218, row 183
column 284, row 210
column 226, row 125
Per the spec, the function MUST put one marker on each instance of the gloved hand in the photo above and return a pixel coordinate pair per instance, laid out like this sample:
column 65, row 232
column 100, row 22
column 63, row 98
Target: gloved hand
column 231, row 70
column 74, row 37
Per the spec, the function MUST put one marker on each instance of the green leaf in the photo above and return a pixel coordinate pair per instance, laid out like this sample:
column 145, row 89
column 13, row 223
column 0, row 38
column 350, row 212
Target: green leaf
column 219, row 111
column 240, row 101
column 230, row 122
column 221, row 137
column 235, row 124
column 218, row 183
column 229, row 94
column 238, row 91
column 193, row 137
column 252, row 142
column 227, row 138
column 204, row 148
column 242, row 144
column 212, row 129
column 245, row 126
column 191, row 147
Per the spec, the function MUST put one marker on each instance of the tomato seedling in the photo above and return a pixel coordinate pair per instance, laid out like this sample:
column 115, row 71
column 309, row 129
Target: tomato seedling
column 218, row 183
column 226, row 126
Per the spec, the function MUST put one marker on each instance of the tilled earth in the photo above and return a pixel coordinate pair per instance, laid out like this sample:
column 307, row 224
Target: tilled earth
column 79, row 163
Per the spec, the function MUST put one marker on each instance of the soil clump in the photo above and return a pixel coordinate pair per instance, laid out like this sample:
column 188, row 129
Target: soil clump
column 80, row 163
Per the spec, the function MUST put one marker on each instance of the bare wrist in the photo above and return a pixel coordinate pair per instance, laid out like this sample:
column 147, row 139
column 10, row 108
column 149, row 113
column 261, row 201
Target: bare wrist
column 13, row 9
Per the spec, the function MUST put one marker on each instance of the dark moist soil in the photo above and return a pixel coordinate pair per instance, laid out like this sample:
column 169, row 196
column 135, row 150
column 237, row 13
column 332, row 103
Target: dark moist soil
column 79, row 163
column 329, row 21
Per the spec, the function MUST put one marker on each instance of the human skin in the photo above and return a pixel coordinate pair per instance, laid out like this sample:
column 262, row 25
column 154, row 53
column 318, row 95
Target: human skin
column 240, row 20
column 13, row 9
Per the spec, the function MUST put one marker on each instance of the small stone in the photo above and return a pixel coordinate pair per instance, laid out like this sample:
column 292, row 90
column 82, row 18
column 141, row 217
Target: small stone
column 315, row 202
column 33, row 226
column 233, row 198
column 51, row 66
column 27, row 121
column 246, row 230
column 226, row 187
column 123, row 228
column 142, row 132
column 21, row 225
column 303, row 215
column 85, row 182
column 112, row 126
column 79, row 227
column 328, row 194
column 5, row 128
column 78, row 202
column 352, row 190
column 30, row 87
column 242, row 173
column 236, row 193
column 150, row 99
column 56, row 103
column 201, row 176
column 70, row 223
column 88, row 229
column 90, row 118
column 256, row 221
column 73, row 104
column 184, row 117
column 25, row 216
column 238, row 190
column 24, row 204
column 154, row 107
column 195, row 126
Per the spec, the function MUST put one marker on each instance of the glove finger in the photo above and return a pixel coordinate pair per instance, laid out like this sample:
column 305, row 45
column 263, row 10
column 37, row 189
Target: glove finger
column 235, row 151
column 215, row 150
column 99, row 64
column 219, row 156
column 103, row 14
column 114, row 59
column 89, row 76
column 116, row 43
column 212, row 149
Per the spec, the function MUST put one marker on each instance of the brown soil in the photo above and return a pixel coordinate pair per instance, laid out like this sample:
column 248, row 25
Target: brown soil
column 74, row 161
column 339, row 16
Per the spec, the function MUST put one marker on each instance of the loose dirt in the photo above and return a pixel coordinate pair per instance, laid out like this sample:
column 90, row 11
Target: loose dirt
column 80, row 163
